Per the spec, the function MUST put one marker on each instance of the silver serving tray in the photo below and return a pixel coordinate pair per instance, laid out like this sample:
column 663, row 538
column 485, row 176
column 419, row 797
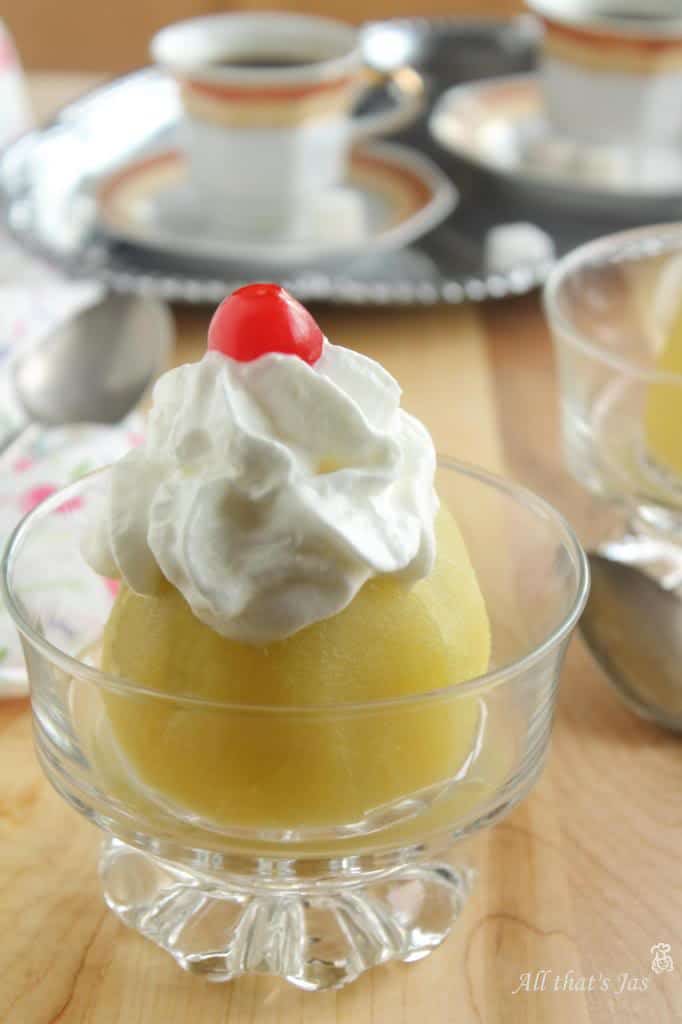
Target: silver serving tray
column 47, row 178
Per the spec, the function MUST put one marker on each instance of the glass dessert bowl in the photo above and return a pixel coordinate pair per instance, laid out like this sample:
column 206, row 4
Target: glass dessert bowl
column 615, row 311
column 335, row 861
column 293, row 659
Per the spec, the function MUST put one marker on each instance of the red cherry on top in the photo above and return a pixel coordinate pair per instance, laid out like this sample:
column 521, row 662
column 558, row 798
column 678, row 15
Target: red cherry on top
column 262, row 318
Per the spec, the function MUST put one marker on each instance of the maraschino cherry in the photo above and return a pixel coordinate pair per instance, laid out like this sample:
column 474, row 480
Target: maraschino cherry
column 262, row 318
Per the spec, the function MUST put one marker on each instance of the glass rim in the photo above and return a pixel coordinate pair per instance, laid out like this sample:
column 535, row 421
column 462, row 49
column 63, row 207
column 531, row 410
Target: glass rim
column 660, row 237
column 479, row 684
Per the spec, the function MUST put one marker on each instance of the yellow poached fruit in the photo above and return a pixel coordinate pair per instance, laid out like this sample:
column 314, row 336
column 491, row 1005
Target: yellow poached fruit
column 663, row 408
column 282, row 742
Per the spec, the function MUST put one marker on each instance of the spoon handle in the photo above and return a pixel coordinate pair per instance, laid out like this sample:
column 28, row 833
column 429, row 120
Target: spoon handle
column 11, row 437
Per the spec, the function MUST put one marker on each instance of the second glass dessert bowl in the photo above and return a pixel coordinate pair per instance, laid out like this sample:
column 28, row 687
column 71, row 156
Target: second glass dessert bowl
column 306, row 841
column 615, row 310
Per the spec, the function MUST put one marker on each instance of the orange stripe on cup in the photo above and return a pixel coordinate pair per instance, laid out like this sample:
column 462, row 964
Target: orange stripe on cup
column 612, row 53
column 603, row 36
column 259, row 93
column 262, row 112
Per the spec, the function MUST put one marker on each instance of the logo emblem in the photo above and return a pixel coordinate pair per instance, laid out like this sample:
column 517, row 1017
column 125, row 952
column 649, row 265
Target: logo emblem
column 662, row 961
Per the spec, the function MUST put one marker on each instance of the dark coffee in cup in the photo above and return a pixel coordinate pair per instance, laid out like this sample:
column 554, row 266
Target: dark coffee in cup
column 264, row 61
column 618, row 14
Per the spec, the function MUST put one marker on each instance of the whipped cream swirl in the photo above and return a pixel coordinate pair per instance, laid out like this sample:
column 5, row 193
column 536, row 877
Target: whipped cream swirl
column 269, row 492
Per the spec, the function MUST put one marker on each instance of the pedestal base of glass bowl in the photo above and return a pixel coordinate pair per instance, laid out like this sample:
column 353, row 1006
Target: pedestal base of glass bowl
column 315, row 937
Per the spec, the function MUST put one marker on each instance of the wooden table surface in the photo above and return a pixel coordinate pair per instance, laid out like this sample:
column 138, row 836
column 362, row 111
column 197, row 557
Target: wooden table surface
column 581, row 880
column 115, row 36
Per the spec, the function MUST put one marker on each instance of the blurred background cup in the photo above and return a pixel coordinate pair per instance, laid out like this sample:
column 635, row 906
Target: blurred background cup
column 268, row 101
column 611, row 70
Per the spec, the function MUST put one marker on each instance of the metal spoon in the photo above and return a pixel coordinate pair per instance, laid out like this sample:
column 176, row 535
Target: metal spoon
column 95, row 367
column 634, row 629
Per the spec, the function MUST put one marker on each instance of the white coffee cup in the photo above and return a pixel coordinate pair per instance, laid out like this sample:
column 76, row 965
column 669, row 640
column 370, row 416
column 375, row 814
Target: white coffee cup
column 268, row 102
column 611, row 70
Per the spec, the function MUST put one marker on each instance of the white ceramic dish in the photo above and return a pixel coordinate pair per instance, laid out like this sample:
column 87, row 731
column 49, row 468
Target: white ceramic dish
column 611, row 72
column 47, row 180
column 261, row 138
column 500, row 126
column 399, row 194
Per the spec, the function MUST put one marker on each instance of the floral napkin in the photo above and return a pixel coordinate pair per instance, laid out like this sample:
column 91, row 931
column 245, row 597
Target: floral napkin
column 37, row 465
column 33, row 299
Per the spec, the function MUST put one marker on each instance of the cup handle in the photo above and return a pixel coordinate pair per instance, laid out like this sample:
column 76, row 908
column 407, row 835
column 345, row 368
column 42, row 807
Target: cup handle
column 407, row 90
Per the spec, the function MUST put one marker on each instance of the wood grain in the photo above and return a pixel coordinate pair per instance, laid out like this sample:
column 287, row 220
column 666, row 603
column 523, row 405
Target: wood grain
column 79, row 35
column 583, row 877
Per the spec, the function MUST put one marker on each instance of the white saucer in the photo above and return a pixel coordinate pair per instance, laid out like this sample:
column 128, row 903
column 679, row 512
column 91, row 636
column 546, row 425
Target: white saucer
column 499, row 126
column 392, row 196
